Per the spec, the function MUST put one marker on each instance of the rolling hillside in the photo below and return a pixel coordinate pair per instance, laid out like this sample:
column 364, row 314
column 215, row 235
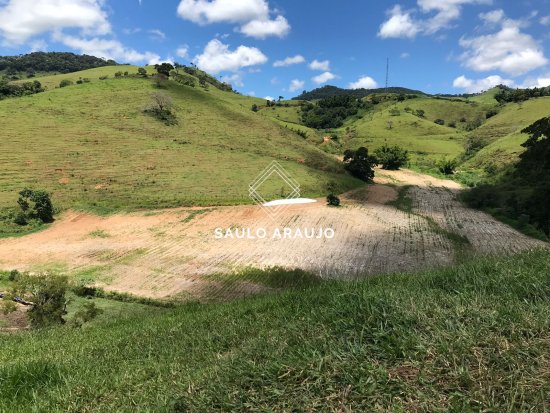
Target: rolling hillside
column 92, row 146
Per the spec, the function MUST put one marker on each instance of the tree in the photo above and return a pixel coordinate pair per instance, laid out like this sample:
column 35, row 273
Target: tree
column 161, row 108
column 391, row 157
column 142, row 71
column 254, row 108
column 46, row 292
column 164, row 68
column 36, row 204
column 160, row 80
column 360, row 164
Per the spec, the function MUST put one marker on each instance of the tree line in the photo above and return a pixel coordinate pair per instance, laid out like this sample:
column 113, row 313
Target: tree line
column 62, row 62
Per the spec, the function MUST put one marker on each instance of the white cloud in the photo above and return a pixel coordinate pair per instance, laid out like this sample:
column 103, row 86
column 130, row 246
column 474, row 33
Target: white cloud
column 217, row 57
column 294, row 60
column 157, row 34
column 542, row 81
column 21, row 20
column 479, row 85
column 108, row 49
column 399, row 25
column 365, row 82
column 323, row 78
column 508, row 50
column 296, row 85
column 269, row 98
column 253, row 16
column 260, row 29
column 323, row 66
column 183, row 51
column 495, row 16
column 545, row 20
column 402, row 24
column 234, row 80
column 405, row 55
column 251, row 93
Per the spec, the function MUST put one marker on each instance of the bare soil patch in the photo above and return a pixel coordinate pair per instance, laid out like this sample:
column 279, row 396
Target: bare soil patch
column 169, row 252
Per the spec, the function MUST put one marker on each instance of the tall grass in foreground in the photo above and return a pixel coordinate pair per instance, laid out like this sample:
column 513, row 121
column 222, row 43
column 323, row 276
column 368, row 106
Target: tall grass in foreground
column 475, row 337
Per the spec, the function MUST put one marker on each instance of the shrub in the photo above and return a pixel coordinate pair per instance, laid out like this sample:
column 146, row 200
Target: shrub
column 86, row 314
column 420, row 113
column 65, row 83
column 118, row 74
column 103, row 77
column 333, row 200
column 395, row 112
column 142, row 72
column 447, row 166
column 439, row 122
column 36, row 204
column 391, row 157
column 254, row 108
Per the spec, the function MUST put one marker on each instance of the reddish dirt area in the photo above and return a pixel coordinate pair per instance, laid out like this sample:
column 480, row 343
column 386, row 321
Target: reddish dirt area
column 175, row 252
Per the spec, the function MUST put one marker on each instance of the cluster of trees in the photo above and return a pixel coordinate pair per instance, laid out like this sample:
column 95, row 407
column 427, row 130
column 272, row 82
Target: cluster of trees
column 523, row 194
column 331, row 91
column 61, row 62
column 330, row 112
column 22, row 89
column 506, row 94
column 161, row 108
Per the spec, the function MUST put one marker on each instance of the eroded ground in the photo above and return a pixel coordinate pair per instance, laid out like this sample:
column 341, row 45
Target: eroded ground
column 175, row 252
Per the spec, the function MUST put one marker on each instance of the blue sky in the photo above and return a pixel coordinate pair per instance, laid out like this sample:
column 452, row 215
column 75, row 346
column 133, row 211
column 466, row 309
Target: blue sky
column 281, row 47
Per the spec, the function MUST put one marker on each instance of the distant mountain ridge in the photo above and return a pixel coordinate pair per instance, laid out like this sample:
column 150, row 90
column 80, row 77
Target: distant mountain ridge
column 330, row 91
column 62, row 62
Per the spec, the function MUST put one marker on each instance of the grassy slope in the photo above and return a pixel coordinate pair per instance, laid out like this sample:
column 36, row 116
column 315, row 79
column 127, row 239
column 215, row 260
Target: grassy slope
column 92, row 147
column 470, row 338
column 503, row 131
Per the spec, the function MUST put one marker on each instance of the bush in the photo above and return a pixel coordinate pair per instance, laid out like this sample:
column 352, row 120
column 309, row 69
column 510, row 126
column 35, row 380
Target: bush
column 142, row 72
column 35, row 204
column 86, row 314
column 420, row 113
column 447, row 166
column 391, row 157
column 254, row 108
column 439, row 122
column 65, row 83
column 333, row 200
column 118, row 74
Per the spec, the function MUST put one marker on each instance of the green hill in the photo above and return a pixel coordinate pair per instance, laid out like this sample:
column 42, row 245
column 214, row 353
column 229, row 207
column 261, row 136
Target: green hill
column 469, row 338
column 92, row 146
column 330, row 91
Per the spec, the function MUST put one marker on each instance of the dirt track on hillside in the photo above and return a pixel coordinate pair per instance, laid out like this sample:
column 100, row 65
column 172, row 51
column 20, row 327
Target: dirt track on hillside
column 173, row 252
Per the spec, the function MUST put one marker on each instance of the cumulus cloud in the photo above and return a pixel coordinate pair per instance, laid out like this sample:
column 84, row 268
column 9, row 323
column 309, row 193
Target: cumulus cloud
column 294, row 60
column 508, row 50
column 217, row 57
column 260, row 29
column 402, row 23
column 296, row 85
column 323, row 78
column 107, row 48
column 235, row 79
column 365, row 82
column 399, row 25
column 479, row 85
column 323, row 66
column 21, row 20
column 253, row 16
column 541, row 81
column 183, row 51
column 545, row 20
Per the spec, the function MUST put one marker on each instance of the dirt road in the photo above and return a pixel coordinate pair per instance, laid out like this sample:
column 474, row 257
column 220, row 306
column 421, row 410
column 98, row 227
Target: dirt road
column 169, row 252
